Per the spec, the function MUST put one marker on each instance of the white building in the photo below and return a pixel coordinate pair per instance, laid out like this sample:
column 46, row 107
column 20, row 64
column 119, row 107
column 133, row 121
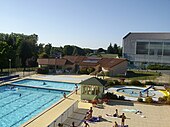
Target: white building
column 147, row 48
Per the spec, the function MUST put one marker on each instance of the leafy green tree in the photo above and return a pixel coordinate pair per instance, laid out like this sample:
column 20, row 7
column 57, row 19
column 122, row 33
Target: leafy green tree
column 78, row 51
column 68, row 50
column 25, row 51
column 115, row 49
column 101, row 50
column 47, row 48
column 110, row 49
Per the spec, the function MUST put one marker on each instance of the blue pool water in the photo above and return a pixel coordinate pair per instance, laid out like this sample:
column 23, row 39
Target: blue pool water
column 134, row 92
column 46, row 84
column 18, row 104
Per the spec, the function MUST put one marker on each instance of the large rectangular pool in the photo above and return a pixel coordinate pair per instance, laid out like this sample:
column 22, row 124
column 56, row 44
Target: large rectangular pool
column 46, row 84
column 21, row 103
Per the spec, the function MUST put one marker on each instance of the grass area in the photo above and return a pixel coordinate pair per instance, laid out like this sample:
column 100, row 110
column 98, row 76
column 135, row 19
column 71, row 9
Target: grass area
column 103, row 55
column 109, row 55
column 140, row 75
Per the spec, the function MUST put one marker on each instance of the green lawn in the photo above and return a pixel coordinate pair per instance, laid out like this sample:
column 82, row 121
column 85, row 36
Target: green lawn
column 140, row 75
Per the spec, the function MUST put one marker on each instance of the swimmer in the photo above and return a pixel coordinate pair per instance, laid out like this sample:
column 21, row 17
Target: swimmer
column 44, row 83
column 132, row 92
column 20, row 95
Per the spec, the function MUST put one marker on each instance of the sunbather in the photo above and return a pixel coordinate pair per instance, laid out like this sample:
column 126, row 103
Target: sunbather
column 114, row 115
column 86, row 124
column 116, row 125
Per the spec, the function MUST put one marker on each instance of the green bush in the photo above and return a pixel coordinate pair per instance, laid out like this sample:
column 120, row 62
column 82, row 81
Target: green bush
column 116, row 82
column 158, row 67
column 90, row 70
column 121, row 98
column 136, row 83
column 110, row 83
column 149, row 100
column 109, row 95
column 161, row 100
column 140, row 99
column 168, row 99
column 42, row 70
column 150, row 83
column 83, row 71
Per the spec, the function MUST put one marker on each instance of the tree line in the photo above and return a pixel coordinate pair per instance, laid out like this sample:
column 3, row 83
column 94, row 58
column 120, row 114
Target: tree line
column 23, row 50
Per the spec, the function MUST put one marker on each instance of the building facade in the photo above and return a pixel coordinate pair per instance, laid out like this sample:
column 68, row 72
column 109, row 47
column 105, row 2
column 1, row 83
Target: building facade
column 142, row 49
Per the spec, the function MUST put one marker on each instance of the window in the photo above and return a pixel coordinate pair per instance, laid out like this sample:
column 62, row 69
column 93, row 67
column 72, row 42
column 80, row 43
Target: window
column 166, row 49
column 142, row 48
column 155, row 48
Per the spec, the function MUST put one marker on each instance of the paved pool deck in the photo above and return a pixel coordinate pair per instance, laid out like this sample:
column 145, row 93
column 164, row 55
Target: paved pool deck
column 156, row 115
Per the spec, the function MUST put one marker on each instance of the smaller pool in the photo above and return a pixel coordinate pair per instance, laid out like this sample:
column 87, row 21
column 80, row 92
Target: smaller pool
column 134, row 92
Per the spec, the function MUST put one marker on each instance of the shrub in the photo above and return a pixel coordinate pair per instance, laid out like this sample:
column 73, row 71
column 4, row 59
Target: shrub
column 168, row 99
column 161, row 99
column 150, row 83
column 42, row 70
column 140, row 99
column 110, row 83
column 83, row 71
column 110, row 96
column 149, row 100
column 136, row 83
column 90, row 70
column 121, row 98
column 116, row 82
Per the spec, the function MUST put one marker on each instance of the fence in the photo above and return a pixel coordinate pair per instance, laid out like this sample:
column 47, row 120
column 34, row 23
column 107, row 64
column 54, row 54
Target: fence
column 64, row 115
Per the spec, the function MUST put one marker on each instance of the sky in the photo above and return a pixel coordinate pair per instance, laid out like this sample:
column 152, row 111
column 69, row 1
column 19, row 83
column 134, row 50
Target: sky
column 84, row 23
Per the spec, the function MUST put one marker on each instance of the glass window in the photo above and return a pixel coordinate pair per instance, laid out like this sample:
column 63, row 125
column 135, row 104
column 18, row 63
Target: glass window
column 155, row 48
column 166, row 49
column 142, row 48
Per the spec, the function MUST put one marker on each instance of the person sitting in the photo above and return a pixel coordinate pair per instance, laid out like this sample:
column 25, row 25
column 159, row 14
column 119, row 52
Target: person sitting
column 64, row 95
column 86, row 124
column 116, row 113
column 116, row 124
column 73, row 125
column 60, row 125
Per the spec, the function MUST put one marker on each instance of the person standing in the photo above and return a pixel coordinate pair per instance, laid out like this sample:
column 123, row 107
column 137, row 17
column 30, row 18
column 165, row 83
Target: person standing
column 64, row 95
column 123, row 117
column 76, row 88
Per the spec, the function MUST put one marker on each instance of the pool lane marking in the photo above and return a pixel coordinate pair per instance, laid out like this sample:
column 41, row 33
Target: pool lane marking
column 34, row 111
column 21, row 106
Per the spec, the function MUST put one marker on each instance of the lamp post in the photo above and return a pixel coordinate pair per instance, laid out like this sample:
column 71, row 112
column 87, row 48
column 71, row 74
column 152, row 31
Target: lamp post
column 9, row 66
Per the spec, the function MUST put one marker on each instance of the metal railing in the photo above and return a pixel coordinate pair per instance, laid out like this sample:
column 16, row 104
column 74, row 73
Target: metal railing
column 64, row 115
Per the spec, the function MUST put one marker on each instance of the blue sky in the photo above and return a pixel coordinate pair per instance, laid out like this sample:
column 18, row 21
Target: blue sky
column 85, row 23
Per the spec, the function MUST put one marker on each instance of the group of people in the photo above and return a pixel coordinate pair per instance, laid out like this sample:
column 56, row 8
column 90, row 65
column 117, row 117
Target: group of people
column 123, row 117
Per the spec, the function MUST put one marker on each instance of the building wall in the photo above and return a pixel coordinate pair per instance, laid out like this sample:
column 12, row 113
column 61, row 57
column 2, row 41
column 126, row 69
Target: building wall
column 157, row 47
column 119, row 69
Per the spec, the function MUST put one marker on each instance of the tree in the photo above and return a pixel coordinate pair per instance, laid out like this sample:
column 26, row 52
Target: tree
column 47, row 48
column 68, row 50
column 25, row 51
column 110, row 49
column 101, row 50
column 115, row 49
column 78, row 51
column 4, row 50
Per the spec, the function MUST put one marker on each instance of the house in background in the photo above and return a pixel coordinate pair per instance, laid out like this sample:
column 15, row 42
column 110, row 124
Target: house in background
column 142, row 49
column 113, row 66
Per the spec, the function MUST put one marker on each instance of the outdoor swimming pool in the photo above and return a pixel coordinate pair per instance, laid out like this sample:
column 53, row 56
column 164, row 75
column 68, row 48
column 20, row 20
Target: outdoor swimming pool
column 46, row 84
column 134, row 92
column 28, row 98
column 19, row 104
